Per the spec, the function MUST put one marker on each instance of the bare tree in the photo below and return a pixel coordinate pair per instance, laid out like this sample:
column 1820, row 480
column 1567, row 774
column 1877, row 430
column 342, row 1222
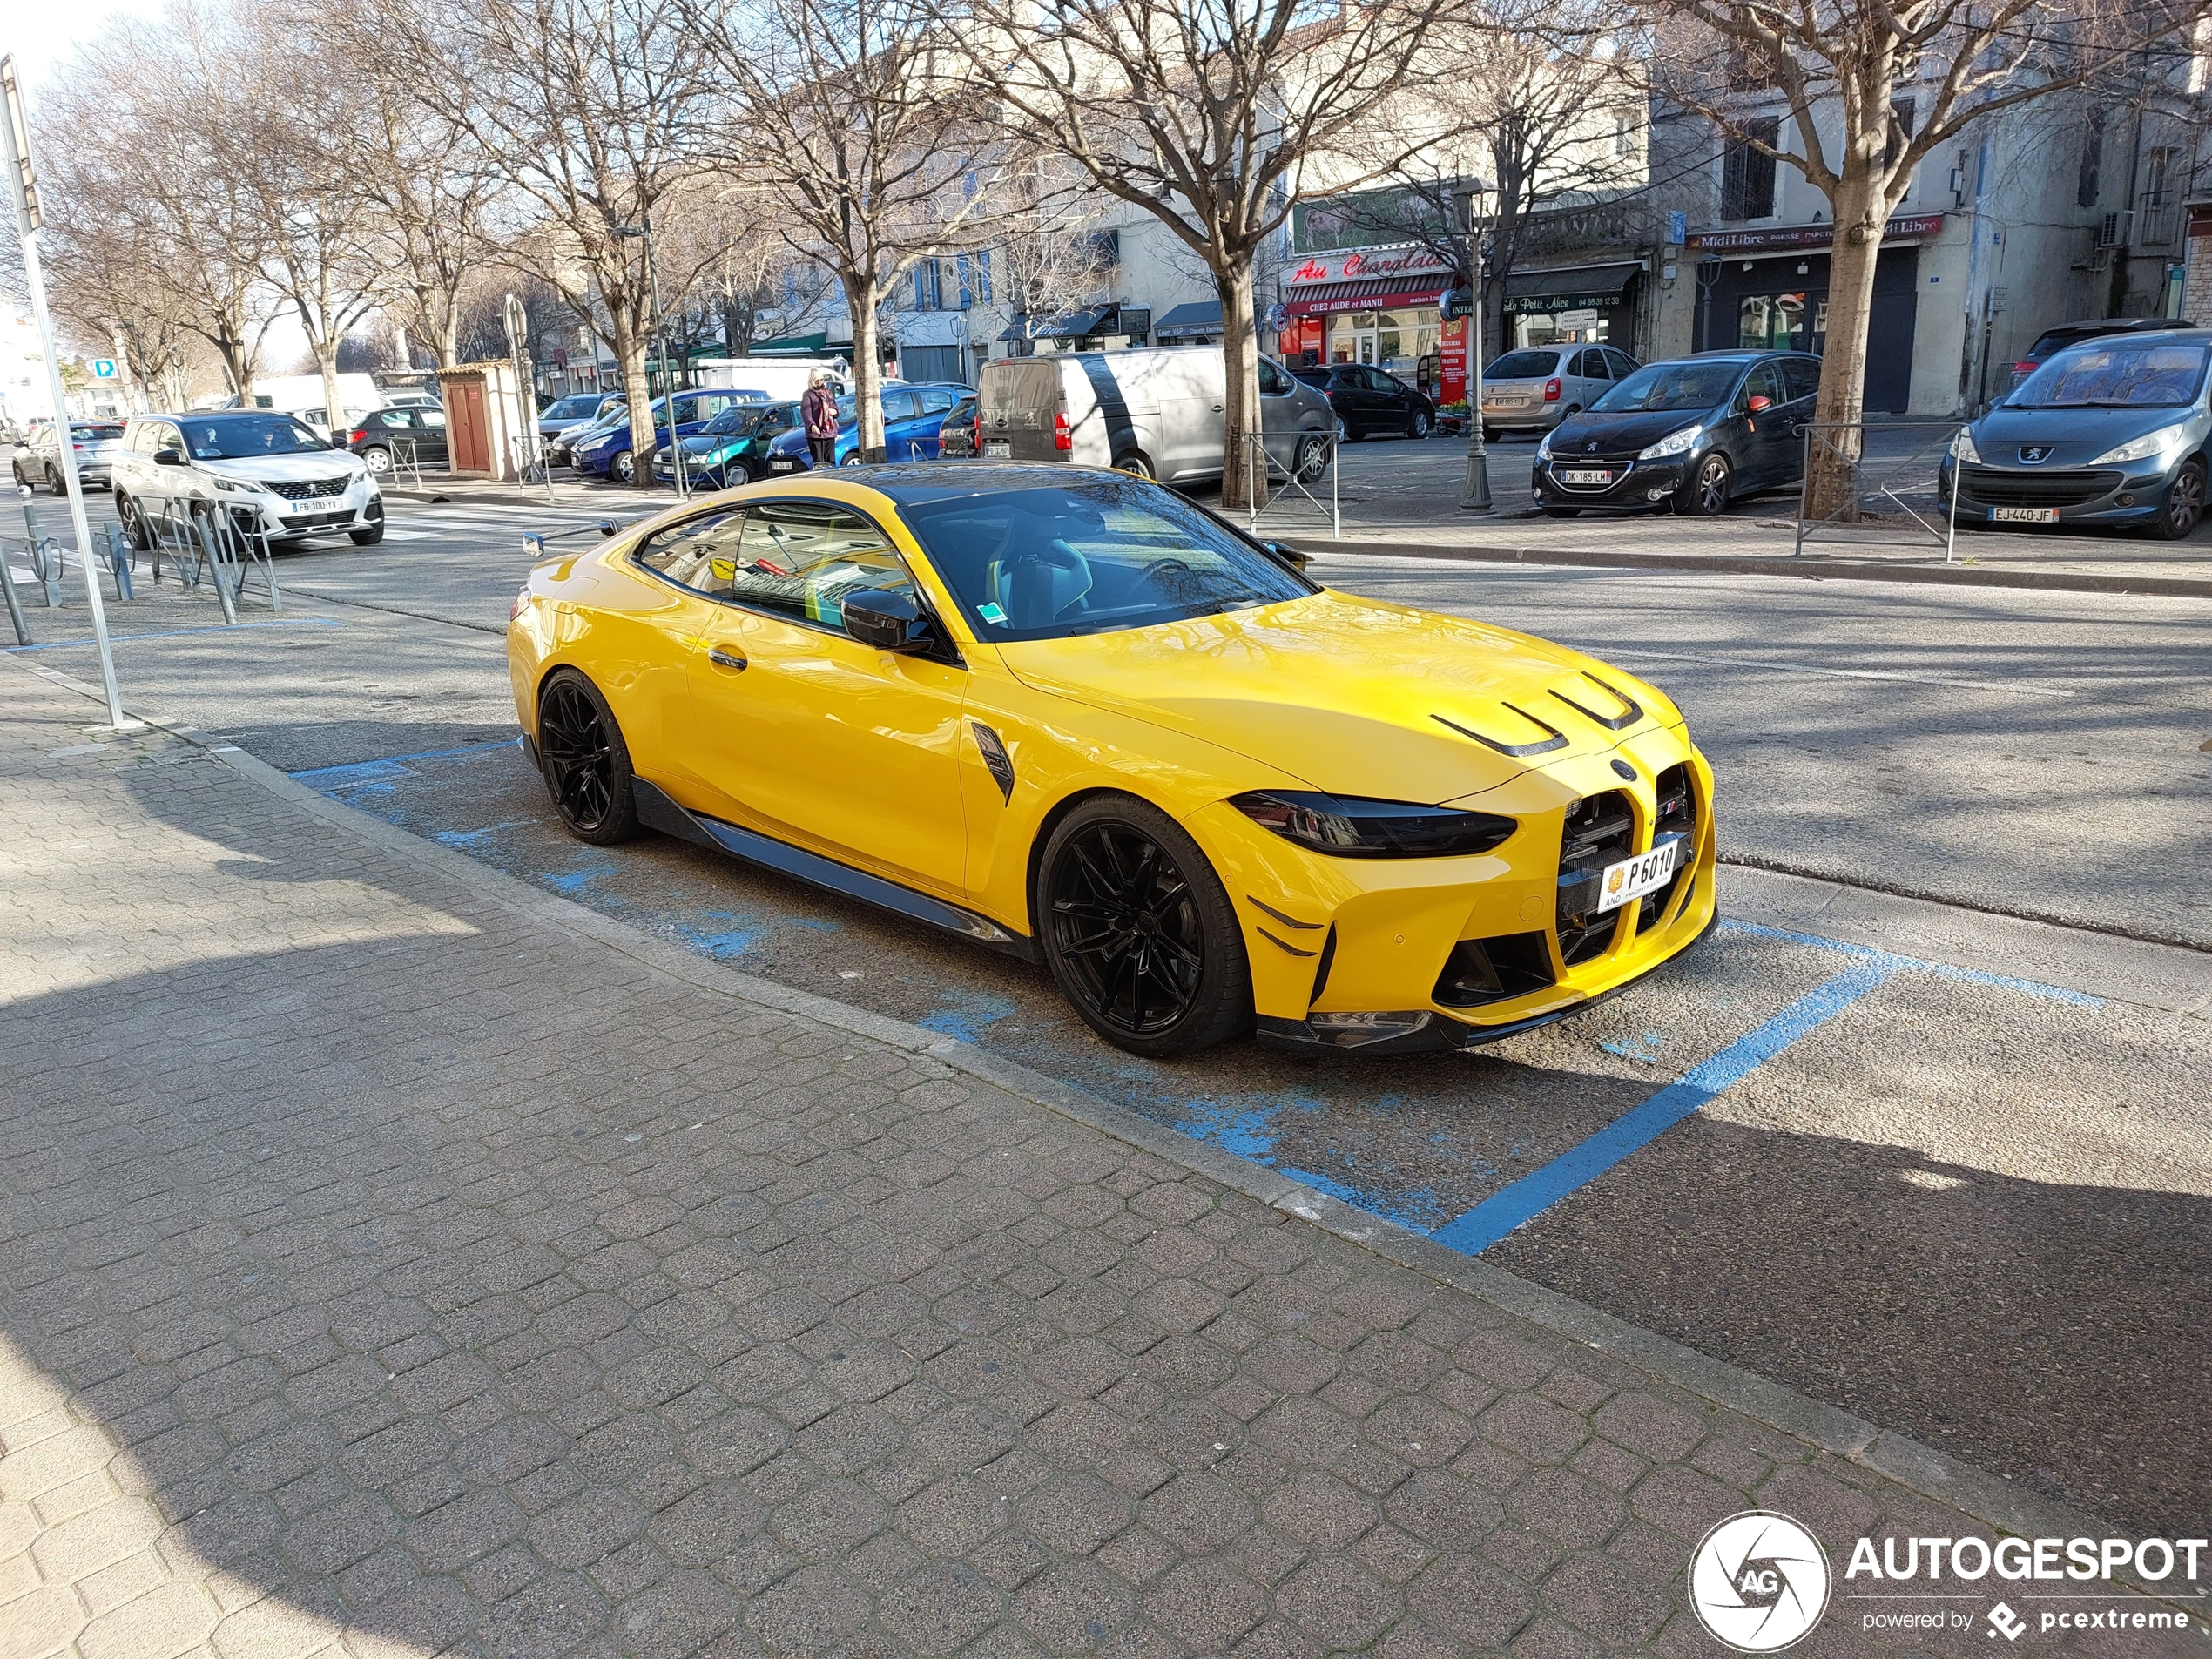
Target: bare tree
column 860, row 128
column 586, row 111
column 1050, row 252
column 1839, row 69
column 1218, row 116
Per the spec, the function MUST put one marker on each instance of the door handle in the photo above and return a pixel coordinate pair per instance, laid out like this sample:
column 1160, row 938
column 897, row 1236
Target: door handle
column 722, row 658
column 1217, row 408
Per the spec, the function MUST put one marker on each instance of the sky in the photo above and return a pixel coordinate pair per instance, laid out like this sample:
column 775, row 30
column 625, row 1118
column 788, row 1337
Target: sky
column 42, row 35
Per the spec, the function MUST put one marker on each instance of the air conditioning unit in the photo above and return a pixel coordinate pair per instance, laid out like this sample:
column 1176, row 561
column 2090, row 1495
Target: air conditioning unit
column 2116, row 230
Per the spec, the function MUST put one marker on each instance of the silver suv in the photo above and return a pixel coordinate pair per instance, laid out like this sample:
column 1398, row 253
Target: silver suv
column 267, row 470
column 1535, row 388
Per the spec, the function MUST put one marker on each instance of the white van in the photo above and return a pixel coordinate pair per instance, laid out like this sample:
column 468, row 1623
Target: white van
column 782, row 379
column 302, row 395
column 1158, row 412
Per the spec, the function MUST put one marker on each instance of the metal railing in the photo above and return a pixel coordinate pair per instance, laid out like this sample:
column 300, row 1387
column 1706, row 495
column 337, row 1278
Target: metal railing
column 1283, row 481
column 205, row 544
column 407, row 465
column 1886, row 479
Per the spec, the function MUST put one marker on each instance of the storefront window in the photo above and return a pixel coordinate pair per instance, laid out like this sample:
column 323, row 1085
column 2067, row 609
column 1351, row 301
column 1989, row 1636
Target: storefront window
column 1395, row 341
column 1773, row 322
column 1544, row 328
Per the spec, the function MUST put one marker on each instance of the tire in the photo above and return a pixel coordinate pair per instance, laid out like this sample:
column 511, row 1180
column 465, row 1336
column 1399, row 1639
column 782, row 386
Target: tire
column 1491, row 434
column 378, row 460
column 1134, row 463
column 1137, row 931
column 1343, row 432
column 134, row 524
column 584, row 760
column 853, row 458
column 1310, row 459
column 622, row 468
column 2184, row 506
column 368, row 537
column 1706, row 493
column 56, row 482
column 1417, row 424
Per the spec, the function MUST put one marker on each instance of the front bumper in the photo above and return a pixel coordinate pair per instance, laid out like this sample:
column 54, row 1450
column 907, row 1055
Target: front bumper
column 280, row 518
column 1398, row 956
column 1644, row 484
column 2131, row 493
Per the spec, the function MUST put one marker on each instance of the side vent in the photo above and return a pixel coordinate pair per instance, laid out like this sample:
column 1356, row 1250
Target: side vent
column 1321, row 968
column 996, row 759
column 1491, row 970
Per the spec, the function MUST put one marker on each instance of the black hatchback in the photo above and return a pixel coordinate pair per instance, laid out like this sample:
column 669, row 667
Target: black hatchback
column 1691, row 435
column 1368, row 401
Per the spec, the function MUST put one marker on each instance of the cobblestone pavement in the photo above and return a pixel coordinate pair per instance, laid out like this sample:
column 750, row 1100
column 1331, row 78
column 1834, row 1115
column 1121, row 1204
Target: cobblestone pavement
column 383, row 1265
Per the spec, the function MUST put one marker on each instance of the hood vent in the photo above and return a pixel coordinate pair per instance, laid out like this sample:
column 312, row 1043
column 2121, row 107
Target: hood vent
column 1554, row 739
column 1631, row 711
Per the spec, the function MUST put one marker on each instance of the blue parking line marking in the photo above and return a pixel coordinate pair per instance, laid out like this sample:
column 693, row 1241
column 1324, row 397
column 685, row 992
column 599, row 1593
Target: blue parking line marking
column 362, row 772
column 1529, row 1197
column 1896, row 963
column 179, row 633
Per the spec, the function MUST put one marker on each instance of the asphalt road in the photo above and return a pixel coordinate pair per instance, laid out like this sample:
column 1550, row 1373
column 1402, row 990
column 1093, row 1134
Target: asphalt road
column 1971, row 1209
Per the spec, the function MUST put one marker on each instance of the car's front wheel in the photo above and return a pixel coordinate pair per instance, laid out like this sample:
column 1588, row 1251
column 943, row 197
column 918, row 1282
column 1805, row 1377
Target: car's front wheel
column 1708, row 490
column 368, row 537
column 585, row 762
column 2184, row 504
column 624, row 468
column 1139, row 932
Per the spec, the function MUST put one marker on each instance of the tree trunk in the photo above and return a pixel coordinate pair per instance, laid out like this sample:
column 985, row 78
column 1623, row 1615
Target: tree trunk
column 1831, row 465
column 333, row 410
column 868, row 367
column 630, row 352
column 1244, row 458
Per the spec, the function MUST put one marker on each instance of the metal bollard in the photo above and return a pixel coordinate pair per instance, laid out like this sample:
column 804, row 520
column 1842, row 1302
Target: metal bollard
column 118, row 561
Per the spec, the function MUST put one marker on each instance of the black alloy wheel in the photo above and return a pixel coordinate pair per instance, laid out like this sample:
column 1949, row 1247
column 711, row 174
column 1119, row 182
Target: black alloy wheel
column 2184, row 504
column 1708, row 491
column 584, row 760
column 1139, row 935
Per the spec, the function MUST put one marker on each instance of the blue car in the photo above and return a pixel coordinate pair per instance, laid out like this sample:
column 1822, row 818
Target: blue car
column 604, row 452
column 2109, row 433
column 912, row 417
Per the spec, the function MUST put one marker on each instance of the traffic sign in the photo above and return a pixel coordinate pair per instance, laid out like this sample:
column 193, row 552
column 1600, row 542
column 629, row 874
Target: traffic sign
column 103, row 368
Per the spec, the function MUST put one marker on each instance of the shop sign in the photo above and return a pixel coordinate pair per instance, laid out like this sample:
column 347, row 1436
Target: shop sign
column 1585, row 318
column 1367, row 264
column 1451, row 362
column 1807, row 236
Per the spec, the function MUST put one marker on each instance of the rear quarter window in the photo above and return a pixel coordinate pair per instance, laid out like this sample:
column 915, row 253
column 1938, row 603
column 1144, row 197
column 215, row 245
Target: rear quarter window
column 1523, row 366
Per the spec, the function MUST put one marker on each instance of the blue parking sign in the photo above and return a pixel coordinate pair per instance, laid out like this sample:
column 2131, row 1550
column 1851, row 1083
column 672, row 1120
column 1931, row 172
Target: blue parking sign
column 103, row 368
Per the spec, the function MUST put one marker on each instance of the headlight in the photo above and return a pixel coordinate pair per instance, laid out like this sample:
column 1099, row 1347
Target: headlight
column 1544, row 445
column 236, row 489
column 1962, row 447
column 2165, row 443
column 1673, row 443
column 1373, row 829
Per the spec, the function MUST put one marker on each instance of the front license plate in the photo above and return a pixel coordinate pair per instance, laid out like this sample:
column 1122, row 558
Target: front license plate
column 998, row 449
column 1632, row 878
column 1586, row 477
column 783, row 466
column 2023, row 515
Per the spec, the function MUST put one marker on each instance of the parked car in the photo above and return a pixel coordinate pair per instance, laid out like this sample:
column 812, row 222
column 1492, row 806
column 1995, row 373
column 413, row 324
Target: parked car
column 914, row 416
column 1535, row 388
column 411, row 400
column 731, row 449
column 2109, row 432
column 961, row 435
column 1694, row 434
column 604, row 451
column 267, row 471
column 556, row 418
column 372, row 439
column 1368, row 401
column 94, row 443
column 2052, row 341
column 1156, row 412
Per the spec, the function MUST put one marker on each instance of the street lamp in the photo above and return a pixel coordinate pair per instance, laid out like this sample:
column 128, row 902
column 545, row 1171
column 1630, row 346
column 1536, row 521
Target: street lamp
column 1474, row 497
column 644, row 230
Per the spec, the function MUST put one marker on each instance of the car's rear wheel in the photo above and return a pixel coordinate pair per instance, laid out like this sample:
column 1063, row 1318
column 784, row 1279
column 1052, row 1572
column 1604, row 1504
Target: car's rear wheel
column 585, row 762
column 378, row 460
column 1707, row 493
column 1310, row 460
column 2184, row 504
column 1132, row 461
column 1417, row 424
column 1138, row 933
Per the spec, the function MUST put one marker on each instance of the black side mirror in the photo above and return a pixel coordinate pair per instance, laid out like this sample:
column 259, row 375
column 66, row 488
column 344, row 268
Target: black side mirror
column 889, row 619
column 607, row 527
column 1288, row 554
column 168, row 458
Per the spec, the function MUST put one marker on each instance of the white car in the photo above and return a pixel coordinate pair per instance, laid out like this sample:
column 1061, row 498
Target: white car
column 271, row 475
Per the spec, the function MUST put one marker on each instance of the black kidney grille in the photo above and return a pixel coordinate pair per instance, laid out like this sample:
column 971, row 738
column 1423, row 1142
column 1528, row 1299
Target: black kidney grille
column 1599, row 830
column 1677, row 792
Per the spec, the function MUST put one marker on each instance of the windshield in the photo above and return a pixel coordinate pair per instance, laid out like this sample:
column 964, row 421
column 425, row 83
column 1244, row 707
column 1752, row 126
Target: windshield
column 2116, row 375
column 1523, row 366
column 743, row 418
column 242, row 437
column 1091, row 557
column 1671, row 386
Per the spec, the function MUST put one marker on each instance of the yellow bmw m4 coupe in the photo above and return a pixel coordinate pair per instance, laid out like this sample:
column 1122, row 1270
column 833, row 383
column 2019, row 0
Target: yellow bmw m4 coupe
column 1070, row 715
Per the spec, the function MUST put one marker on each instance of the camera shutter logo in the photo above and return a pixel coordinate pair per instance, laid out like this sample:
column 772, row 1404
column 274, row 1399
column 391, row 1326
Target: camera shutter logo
column 1758, row 1582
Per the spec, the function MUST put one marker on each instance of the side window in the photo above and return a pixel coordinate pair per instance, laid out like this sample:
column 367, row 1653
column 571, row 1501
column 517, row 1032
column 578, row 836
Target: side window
column 166, row 441
column 798, row 560
column 432, row 418
column 937, row 402
column 136, row 441
column 1800, row 377
column 1273, row 383
column 1621, row 364
column 898, row 406
column 699, row 554
column 1762, row 381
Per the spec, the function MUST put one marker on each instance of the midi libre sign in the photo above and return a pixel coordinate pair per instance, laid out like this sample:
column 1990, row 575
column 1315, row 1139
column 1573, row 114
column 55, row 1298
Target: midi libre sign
column 1788, row 238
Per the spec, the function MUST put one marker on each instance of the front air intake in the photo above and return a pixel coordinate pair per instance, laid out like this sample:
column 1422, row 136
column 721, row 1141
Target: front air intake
column 1599, row 830
column 1491, row 970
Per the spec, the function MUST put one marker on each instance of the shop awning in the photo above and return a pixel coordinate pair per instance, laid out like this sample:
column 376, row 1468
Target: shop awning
column 1197, row 317
column 1583, row 287
column 1066, row 324
column 1375, row 293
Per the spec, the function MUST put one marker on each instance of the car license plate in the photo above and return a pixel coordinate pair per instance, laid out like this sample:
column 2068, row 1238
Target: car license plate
column 1586, row 477
column 998, row 449
column 1505, row 402
column 1632, row 878
column 783, row 466
column 2023, row 515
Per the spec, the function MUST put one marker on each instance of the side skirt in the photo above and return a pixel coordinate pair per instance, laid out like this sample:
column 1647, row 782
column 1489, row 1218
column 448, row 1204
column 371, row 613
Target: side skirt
column 658, row 810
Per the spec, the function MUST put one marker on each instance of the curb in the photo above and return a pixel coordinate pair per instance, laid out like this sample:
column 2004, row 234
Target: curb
column 1812, row 569
column 1992, row 1498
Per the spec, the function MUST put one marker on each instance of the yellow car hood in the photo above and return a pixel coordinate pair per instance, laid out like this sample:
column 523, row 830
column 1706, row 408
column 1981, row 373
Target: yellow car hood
column 1356, row 697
